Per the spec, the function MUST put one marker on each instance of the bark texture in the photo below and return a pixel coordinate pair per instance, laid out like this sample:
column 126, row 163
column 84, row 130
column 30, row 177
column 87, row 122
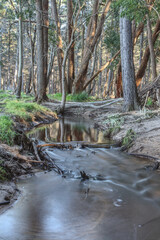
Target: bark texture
column 70, row 77
column 40, row 50
column 127, row 65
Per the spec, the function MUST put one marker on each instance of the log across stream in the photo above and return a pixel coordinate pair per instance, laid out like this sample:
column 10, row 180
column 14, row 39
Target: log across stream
column 120, row 199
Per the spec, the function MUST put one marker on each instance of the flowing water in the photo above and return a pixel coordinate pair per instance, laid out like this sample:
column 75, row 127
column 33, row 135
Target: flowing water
column 121, row 200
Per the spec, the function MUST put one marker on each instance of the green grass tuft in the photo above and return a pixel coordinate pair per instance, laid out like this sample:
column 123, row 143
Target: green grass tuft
column 7, row 133
column 80, row 97
column 23, row 109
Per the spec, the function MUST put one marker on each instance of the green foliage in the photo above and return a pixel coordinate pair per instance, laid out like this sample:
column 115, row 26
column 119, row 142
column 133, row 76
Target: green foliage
column 149, row 102
column 80, row 97
column 133, row 9
column 7, row 133
column 114, row 125
column 128, row 139
column 3, row 174
column 23, row 109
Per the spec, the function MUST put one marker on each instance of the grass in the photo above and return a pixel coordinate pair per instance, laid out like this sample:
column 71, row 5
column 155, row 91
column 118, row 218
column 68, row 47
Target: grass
column 7, row 134
column 80, row 97
column 25, row 110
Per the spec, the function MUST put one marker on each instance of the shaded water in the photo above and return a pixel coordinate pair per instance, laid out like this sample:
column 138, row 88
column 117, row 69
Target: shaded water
column 124, row 204
column 66, row 130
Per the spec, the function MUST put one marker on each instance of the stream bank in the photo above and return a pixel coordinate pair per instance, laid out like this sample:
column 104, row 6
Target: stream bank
column 110, row 119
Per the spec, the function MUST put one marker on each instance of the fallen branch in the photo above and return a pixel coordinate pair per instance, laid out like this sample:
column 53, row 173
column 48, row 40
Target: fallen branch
column 101, row 69
column 103, row 145
column 56, row 145
column 36, row 151
column 150, row 87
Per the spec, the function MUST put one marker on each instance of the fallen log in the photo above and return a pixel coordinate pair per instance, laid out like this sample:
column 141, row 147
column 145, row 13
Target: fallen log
column 150, row 87
column 56, row 145
column 54, row 166
column 36, row 151
column 13, row 153
column 4, row 203
column 100, row 145
column 144, row 156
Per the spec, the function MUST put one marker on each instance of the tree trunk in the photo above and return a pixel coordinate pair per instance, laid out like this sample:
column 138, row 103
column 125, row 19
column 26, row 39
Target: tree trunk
column 19, row 85
column 93, row 33
column 128, row 74
column 0, row 60
column 70, row 77
column 142, row 68
column 151, row 48
column 59, row 40
column 45, row 44
column 100, row 75
column 32, row 46
column 9, row 57
column 40, row 59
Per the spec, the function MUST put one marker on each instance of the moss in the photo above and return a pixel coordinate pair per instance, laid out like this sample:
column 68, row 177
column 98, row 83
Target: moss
column 7, row 134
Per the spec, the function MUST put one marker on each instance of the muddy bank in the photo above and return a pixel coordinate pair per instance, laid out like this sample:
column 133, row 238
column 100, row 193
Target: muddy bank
column 19, row 160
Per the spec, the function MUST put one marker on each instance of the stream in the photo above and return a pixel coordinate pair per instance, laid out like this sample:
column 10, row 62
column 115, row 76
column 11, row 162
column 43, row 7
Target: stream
column 121, row 200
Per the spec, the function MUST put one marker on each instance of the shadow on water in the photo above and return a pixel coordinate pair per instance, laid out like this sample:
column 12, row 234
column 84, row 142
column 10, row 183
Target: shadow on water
column 67, row 130
column 122, row 203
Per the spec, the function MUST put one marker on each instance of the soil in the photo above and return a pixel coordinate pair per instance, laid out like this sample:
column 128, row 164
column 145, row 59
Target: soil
column 145, row 124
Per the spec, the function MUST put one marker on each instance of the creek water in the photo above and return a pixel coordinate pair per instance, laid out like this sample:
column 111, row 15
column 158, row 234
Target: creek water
column 121, row 200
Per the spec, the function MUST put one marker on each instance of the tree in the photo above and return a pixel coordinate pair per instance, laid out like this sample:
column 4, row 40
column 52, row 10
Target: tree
column 70, row 77
column 19, row 87
column 93, row 33
column 40, row 51
column 128, row 73
column 59, row 40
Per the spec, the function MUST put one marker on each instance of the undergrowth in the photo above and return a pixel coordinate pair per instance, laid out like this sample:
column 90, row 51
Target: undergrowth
column 114, row 123
column 7, row 133
column 80, row 97
column 3, row 173
column 25, row 110
column 129, row 137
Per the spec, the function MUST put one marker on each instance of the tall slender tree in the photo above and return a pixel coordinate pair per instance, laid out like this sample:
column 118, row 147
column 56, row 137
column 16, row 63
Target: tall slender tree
column 128, row 72
column 19, row 85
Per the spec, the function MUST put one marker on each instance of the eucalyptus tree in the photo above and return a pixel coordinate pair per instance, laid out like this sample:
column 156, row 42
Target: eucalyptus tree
column 94, row 31
column 128, row 73
column 40, row 50
column 20, row 68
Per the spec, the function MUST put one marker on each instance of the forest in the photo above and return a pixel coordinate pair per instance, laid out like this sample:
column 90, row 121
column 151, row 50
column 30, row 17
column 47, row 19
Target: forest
column 70, row 47
column 79, row 119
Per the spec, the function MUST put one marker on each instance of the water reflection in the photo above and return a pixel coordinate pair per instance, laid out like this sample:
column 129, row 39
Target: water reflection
column 66, row 130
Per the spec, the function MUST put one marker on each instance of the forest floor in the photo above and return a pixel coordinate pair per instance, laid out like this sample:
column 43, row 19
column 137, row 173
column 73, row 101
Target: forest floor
column 138, row 132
